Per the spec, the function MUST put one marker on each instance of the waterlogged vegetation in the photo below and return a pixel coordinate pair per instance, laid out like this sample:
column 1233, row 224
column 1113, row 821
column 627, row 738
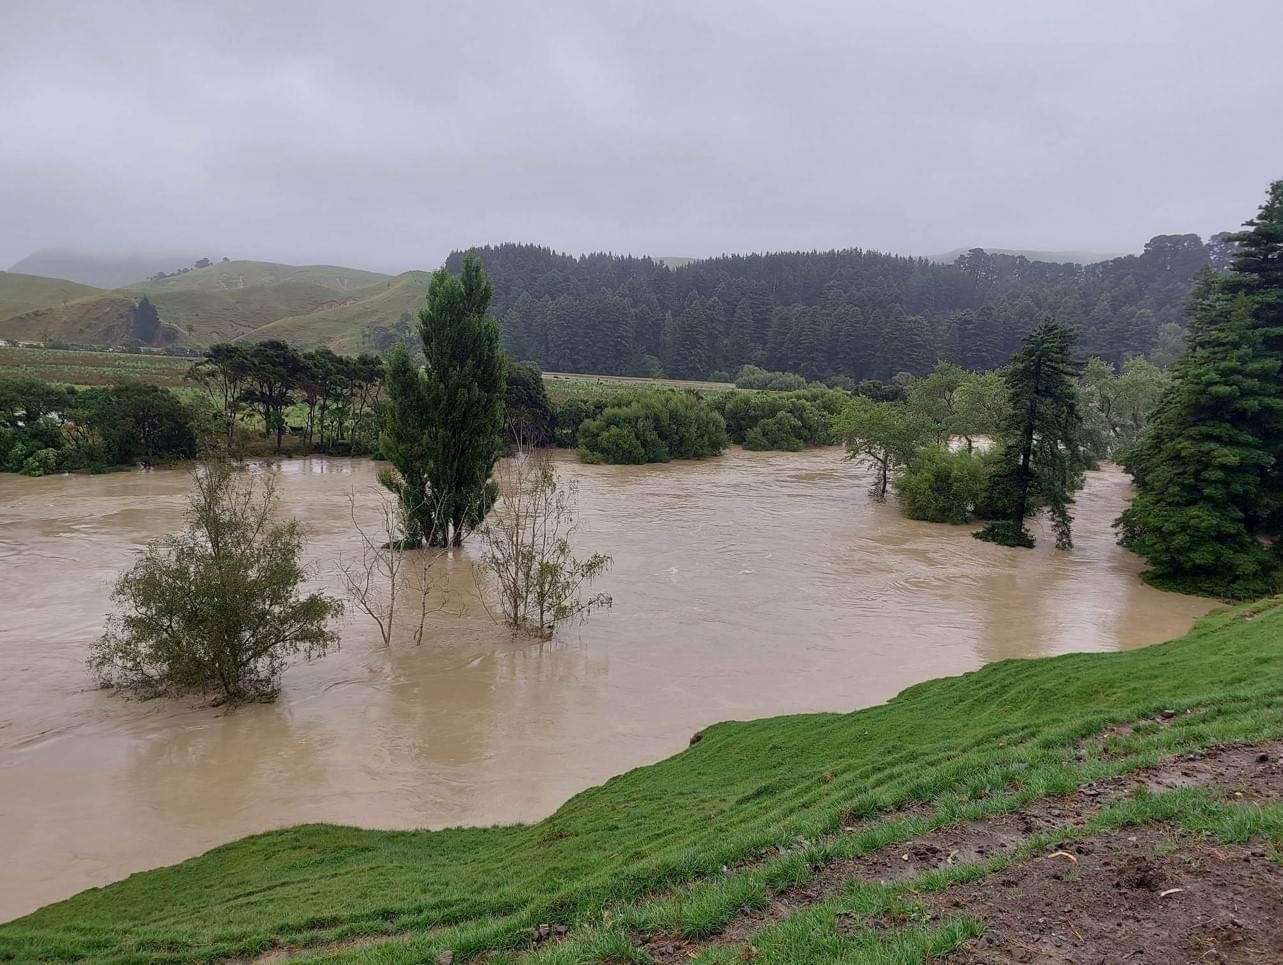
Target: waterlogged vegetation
column 683, row 847
column 47, row 428
column 674, row 858
column 653, row 427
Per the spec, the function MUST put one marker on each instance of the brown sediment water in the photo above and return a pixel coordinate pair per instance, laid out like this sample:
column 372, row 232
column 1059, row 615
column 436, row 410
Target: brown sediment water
column 745, row 586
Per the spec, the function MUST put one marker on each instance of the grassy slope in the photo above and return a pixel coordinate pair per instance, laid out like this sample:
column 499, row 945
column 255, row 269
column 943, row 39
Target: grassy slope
column 341, row 327
column 231, row 275
column 206, row 317
column 202, row 317
column 24, row 293
column 220, row 303
column 1006, row 732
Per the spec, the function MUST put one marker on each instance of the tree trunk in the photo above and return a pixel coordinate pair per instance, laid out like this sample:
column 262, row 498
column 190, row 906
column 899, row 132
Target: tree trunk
column 1027, row 446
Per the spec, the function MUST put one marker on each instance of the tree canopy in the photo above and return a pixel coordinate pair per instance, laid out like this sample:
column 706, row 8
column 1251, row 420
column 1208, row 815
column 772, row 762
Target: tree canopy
column 1209, row 470
column 443, row 426
column 854, row 313
column 1040, row 463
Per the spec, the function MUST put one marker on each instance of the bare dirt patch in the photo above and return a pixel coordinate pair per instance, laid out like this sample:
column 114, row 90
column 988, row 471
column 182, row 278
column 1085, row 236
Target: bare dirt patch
column 1142, row 895
column 1237, row 771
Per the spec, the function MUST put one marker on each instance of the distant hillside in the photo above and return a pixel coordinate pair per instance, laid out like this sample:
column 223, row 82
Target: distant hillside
column 231, row 275
column 309, row 305
column 853, row 313
column 1052, row 257
column 342, row 326
column 100, row 271
column 24, row 293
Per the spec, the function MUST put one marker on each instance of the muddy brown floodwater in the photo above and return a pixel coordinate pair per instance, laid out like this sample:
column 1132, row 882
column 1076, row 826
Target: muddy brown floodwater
column 753, row 584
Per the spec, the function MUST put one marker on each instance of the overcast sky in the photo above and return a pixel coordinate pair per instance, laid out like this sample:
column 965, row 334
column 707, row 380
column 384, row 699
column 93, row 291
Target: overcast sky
column 384, row 134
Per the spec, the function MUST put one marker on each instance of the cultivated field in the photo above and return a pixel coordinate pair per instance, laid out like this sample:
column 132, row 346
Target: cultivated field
column 94, row 368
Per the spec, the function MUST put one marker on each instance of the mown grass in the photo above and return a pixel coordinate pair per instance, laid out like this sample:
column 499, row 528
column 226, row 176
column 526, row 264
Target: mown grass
column 665, row 846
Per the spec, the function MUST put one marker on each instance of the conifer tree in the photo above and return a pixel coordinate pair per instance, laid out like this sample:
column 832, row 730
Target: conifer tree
column 1040, row 463
column 1209, row 470
column 146, row 321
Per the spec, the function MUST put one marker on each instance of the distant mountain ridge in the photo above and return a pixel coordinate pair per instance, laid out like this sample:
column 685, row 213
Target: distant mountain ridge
column 97, row 270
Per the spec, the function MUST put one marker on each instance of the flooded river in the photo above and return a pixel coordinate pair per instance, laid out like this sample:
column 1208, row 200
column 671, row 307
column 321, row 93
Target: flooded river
column 753, row 584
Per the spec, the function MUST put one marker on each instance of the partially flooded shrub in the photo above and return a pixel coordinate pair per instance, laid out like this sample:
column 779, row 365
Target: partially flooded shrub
column 940, row 486
column 216, row 609
column 655, row 426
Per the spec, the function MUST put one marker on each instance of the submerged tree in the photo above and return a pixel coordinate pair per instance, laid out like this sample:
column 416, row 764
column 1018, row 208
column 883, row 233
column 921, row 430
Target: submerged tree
column 539, row 583
column 442, row 426
column 883, row 436
column 527, row 411
column 963, row 405
column 375, row 579
column 217, row 608
column 1120, row 403
column 1209, row 471
column 1040, row 462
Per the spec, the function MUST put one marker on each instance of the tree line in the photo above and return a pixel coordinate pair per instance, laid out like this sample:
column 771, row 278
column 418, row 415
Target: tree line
column 47, row 428
column 1208, row 514
column 850, row 314
column 339, row 393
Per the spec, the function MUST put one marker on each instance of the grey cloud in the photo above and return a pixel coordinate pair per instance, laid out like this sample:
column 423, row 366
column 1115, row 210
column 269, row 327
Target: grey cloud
column 383, row 134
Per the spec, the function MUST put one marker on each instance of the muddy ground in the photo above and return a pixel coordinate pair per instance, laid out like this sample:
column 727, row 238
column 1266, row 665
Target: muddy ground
column 1150, row 894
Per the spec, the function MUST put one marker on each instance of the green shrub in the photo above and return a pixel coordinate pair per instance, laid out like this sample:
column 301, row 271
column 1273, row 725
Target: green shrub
column 527, row 414
column 42, row 462
column 753, row 377
column 940, row 486
column 809, row 424
column 569, row 414
column 655, row 426
column 1006, row 532
column 47, row 428
column 781, row 431
column 617, row 445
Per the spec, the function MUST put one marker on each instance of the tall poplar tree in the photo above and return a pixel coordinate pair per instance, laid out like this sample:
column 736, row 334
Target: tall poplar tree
column 443, row 425
column 1209, row 469
column 1040, row 462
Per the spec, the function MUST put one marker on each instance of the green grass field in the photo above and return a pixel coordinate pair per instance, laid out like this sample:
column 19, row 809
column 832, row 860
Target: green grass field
column 684, row 845
column 25, row 293
column 565, row 385
column 103, row 368
column 239, row 275
column 94, row 368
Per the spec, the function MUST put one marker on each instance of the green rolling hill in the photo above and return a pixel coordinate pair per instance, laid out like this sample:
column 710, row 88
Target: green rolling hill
column 310, row 305
column 236, row 275
column 340, row 326
column 21, row 293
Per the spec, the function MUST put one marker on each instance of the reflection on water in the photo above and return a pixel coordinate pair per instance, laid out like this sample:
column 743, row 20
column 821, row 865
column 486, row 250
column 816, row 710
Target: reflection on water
column 754, row 584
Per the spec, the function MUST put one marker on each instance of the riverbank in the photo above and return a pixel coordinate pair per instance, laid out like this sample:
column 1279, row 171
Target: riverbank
column 747, row 586
column 677, row 853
